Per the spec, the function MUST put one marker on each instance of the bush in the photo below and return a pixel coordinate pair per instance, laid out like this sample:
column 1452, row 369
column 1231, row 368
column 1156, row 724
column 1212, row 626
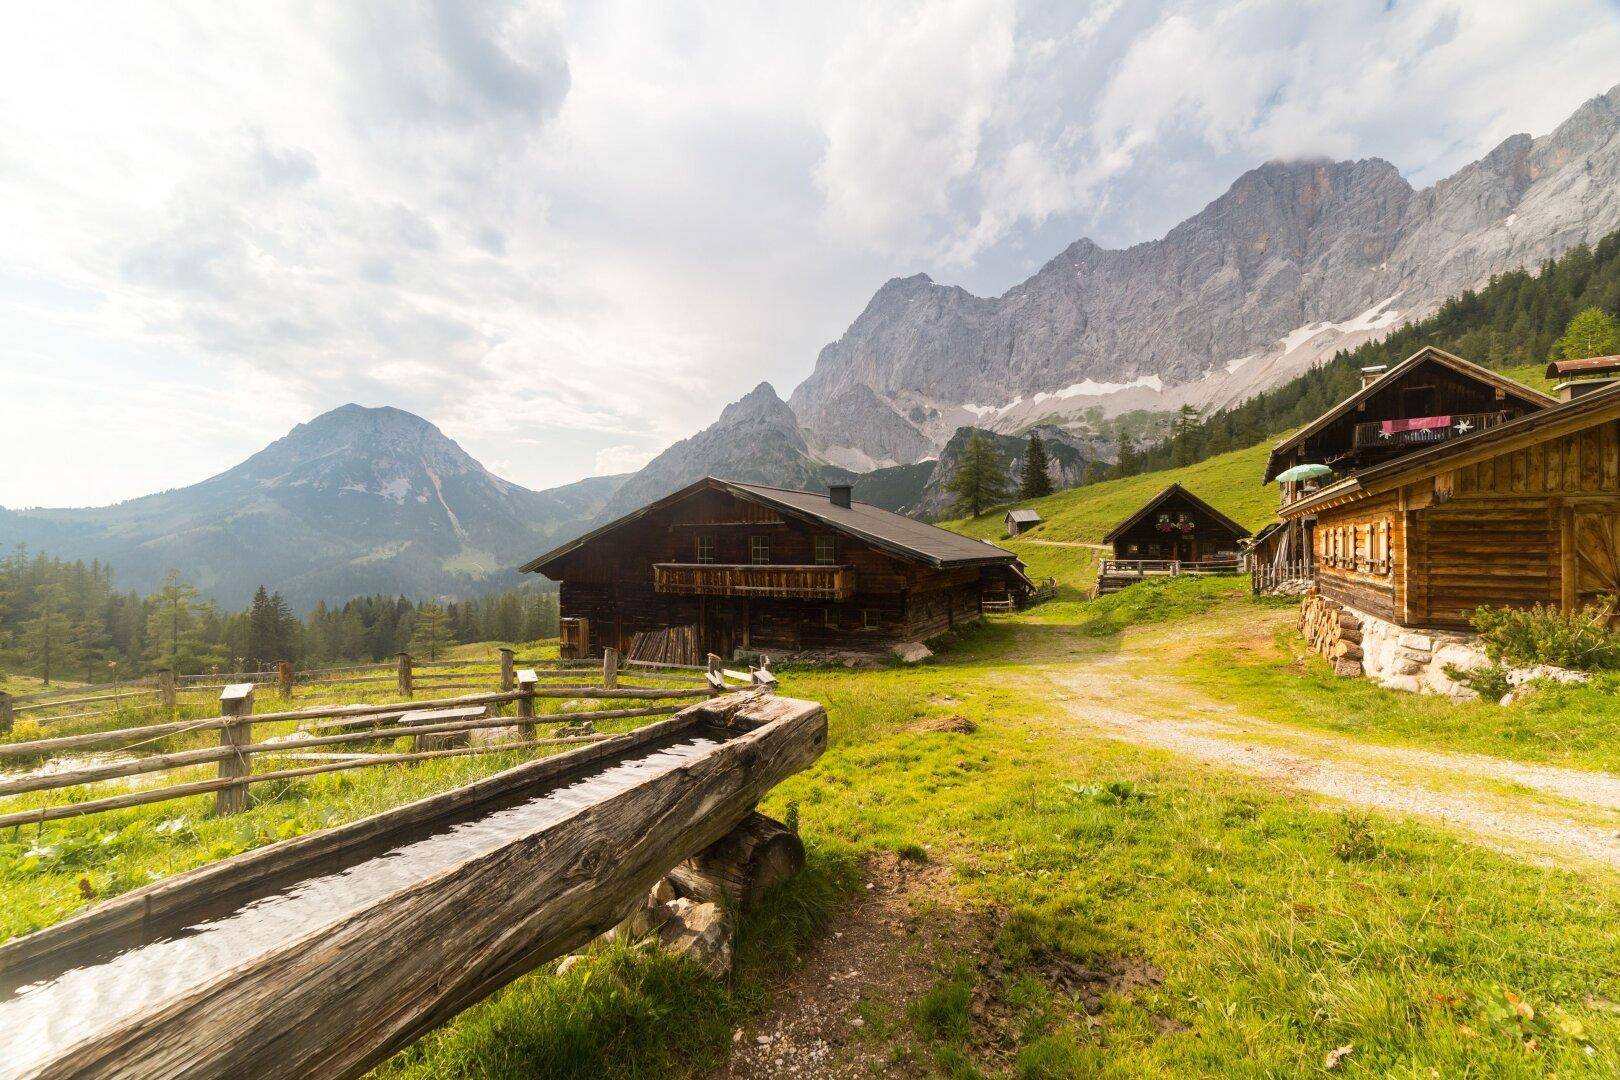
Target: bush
column 1489, row 682
column 1545, row 635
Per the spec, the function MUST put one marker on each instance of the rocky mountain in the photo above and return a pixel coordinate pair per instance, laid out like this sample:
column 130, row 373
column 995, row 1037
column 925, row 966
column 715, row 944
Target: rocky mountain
column 757, row 440
column 1067, row 457
column 358, row 500
column 1295, row 261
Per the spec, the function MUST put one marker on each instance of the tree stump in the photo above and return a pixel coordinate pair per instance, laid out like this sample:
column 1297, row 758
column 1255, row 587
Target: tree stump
column 739, row 867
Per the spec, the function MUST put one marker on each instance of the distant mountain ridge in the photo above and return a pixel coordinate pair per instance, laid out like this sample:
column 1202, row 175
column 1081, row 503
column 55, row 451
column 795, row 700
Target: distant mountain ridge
column 1293, row 262
column 357, row 500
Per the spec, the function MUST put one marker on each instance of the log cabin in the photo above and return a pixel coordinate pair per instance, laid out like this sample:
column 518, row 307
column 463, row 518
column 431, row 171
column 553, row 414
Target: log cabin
column 1020, row 521
column 724, row 566
column 1177, row 525
column 1521, row 510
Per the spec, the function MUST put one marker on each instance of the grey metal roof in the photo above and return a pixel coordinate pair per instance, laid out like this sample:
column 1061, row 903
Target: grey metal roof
column 930, row 543
column 884, row 529
column 1023, row 515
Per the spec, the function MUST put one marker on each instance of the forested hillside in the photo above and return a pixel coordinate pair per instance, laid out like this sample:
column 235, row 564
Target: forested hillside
column 65, row 621
column 1513, row 325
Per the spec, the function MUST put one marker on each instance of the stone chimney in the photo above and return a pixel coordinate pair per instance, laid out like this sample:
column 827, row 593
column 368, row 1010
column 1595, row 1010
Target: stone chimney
column 838, row 494
column 1370, row 375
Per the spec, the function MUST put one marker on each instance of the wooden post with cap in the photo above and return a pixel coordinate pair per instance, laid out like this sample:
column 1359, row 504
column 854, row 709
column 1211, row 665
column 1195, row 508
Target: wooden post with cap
column 610, row 668
column 405, row 674
column 528, row 681
column 236, row 703
column 508, row 678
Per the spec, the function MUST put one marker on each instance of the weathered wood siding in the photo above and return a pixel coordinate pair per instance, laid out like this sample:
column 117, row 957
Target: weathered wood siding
column 610, row 583
column 1357, row 549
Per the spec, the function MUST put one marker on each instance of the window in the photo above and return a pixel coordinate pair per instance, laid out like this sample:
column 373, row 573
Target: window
column 829, row 618
column 826, row 551
column 705, row 549
column 759, row 549
column 869, row 617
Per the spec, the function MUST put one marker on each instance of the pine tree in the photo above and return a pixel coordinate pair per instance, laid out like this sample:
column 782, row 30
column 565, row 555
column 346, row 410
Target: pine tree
column 1125, row 455
column 980, row 480
column 433, row 634
column 1037, row 478
column 172, row 626
column 48, row 639
column 1593, row 332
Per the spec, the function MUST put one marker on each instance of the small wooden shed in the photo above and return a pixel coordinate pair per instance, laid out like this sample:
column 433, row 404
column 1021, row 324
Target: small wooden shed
column 1021, row 520
column 1177, row 525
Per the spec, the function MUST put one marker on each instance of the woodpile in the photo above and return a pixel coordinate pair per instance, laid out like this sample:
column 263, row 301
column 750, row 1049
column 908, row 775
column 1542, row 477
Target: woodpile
column 1333, row 631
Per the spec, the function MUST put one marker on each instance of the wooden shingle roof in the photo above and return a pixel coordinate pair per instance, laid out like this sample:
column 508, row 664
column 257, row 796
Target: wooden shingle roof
column 1174, row 490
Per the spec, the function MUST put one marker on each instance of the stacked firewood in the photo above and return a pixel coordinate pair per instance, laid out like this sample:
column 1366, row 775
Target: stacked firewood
column 1333, row 631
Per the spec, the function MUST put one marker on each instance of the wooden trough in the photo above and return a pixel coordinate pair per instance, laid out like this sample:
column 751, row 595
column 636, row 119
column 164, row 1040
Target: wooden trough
column 321, row 956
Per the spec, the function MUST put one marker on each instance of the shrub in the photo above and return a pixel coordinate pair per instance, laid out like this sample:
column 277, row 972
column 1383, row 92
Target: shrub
column 1489, row 682
column 1545, row 635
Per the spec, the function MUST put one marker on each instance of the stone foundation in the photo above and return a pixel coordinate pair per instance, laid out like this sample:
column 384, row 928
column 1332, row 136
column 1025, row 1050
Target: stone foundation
column 1396, row 657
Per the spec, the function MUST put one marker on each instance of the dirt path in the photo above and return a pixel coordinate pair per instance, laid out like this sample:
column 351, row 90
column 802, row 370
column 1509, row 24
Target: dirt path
column 1543, row 813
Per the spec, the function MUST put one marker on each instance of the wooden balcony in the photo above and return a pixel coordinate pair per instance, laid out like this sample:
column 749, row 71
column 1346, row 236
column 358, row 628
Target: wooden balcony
column 1371, row 435
column 741, row 579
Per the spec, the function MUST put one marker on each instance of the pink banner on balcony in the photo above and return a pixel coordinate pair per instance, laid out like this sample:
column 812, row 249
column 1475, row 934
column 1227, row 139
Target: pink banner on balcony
column 1420, row 423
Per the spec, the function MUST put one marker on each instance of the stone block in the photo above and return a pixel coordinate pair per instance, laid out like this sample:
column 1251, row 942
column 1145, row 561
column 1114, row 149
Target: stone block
column 1416, row 642
column 1405, row 683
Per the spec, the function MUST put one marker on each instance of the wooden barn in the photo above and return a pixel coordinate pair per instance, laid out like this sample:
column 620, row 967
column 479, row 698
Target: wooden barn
column 1177, row 525
column 721, row 565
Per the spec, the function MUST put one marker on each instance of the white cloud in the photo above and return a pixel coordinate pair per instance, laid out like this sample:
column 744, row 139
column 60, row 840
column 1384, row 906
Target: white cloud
column 622, row 459
column 570, row 233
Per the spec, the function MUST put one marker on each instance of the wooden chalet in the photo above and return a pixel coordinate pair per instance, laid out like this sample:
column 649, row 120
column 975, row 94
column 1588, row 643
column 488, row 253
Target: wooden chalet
column 1172, row 533
column 1177, row 525
column 722, row 565
column 1523, row 508
column 1426, row 399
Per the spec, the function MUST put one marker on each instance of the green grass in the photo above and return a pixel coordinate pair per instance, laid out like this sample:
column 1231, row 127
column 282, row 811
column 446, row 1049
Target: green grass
column 1266, row 928
column 1229, row 482
column 1280, row 680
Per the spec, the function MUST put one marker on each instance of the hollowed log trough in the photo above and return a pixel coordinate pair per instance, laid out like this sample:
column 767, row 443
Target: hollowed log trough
column 340, row 995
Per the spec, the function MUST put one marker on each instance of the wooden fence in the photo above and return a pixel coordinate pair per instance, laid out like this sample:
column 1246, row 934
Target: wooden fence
column 439, row 728
column 1268, row 577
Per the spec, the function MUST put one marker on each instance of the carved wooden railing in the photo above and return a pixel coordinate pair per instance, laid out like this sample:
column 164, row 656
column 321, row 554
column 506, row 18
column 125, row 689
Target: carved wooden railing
column 734, row 579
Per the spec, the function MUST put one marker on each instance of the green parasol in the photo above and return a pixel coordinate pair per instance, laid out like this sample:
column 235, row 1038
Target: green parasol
column 1303, row 472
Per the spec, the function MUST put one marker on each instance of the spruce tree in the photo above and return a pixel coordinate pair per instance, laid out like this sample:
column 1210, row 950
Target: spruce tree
column 1037, row 479
column 1593, row 332
column 980, row 479
column 1125, row 455
column 432, row 635
column 48, row 639
column 172, row 626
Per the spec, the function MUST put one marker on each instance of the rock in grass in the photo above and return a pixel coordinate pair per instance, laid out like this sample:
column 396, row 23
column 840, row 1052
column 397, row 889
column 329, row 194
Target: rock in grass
column 700, row 932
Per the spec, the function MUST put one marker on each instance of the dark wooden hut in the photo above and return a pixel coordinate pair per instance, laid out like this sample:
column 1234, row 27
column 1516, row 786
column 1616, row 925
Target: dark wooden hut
column 1177, row 525
column 724, row 565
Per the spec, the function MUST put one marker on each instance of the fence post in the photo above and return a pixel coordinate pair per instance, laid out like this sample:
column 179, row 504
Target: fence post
column 236, row 702
column 5, row 713
column 610, row 668
column 405, row 674
column 717, row 681
column 165, row 685
column 527, row 683
column 284, row 675
column 508, row 680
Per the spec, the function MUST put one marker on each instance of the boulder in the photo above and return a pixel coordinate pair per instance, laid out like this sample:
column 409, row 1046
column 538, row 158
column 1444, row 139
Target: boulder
column 912, row 652
column 1405, row 683
column 700, row 932
column 1416, row 642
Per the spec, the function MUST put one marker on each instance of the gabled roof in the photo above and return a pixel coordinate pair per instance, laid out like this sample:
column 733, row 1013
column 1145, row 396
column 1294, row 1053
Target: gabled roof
column 1428, row 352
column 1022, row 516
column 883, row 529
column 1175, row 490
column 1561, row 419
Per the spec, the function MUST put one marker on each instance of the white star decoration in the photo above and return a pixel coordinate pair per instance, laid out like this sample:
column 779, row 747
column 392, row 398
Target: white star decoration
column 1464, row 426
column 1385, row 434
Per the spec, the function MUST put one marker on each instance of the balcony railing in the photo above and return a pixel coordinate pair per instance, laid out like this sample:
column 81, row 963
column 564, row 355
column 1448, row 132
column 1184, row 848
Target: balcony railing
column 742, row 579
column 1371, row 435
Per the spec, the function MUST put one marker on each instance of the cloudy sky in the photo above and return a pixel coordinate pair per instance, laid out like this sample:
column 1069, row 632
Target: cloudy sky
column 570, row 234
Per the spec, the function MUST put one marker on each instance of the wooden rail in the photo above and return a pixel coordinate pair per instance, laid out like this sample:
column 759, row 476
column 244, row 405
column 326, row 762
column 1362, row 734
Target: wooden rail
column 744, row 579
column 1371, row 434
column 1267, row 577
column 236, row 747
